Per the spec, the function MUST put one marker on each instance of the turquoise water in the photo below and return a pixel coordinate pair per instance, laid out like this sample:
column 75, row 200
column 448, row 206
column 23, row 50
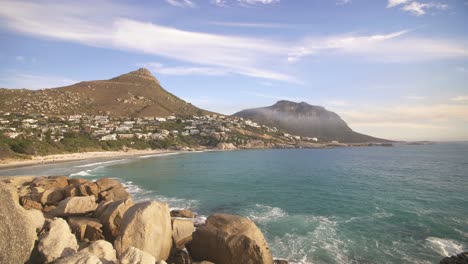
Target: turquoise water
column 406, row 204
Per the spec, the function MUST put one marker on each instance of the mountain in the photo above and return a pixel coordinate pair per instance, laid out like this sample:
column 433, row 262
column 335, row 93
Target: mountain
column 135, row 94
column 306, row 120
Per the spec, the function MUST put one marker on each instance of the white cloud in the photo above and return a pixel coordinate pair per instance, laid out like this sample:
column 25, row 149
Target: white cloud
column 416, row 8
column 33, row 81
column 20, row 58
column 182, row 70
column 221, row 3
column 461, row 98
column 393, row 47
column 393, row 3
column 343, row 2
column 255, row 2
column 181, row 3
column 250, row 25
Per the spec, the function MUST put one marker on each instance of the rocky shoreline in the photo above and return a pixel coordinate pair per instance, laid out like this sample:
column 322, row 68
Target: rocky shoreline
column 65, row 220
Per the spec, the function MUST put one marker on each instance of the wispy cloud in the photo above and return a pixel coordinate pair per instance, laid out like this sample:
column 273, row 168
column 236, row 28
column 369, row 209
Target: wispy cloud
column 33, row 81
column 221, row 3
column 416, row 8
column 257, row 2
column 343, row 2
column 181, row 3
column 184, row 70
column 461, row 98
column 249, row 25
column 392, row 47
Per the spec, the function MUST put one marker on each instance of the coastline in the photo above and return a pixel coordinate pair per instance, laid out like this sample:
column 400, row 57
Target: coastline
column 59, row 158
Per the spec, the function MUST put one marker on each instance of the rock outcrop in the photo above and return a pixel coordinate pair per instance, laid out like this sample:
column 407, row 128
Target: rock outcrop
column 134, row 255
column 230, row 239
column 57, row 242
column 103, row 250
column 146, row 226
column 17, row 230
column 458, row 259
column 76, row 206
column 182, row 231
column 111, row 217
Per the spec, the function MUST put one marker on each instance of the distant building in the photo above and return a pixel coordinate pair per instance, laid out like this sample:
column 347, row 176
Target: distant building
column 109, row 137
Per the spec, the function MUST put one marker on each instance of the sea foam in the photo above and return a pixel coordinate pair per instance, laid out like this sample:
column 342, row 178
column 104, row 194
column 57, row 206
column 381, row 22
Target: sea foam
column 445, row 247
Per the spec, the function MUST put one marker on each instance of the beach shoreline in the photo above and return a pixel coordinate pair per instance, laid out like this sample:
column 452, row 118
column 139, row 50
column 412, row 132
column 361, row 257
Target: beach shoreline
column 60, row 158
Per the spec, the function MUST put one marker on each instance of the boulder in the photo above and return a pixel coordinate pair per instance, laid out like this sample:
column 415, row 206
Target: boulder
column 86, row 228
column 58, row 242
column 179, row 256
column 461, row 258
column 50, row 183
column 111, row 217
column 52, row 196
column 71, row 191
column 103, row 250
column 182, row 232
column 183, row 213
column 146, row 226
column 88, row 188
column 17, row 232
column 115, row 194
column 134, row 255
column 79, row 258
column 76, row 181
column 111, row 189
column 75, row 206
column 230, row 239
column 226, row 146
column 36, row 218
column 100, row 208
column 31, row 201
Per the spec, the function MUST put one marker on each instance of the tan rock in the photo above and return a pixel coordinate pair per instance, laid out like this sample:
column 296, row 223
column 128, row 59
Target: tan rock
column 36, row 218
column 88, row 188
column 103, row 250
column 182, row 232
column 79, row 258
column 71, row 191
column 107, row 184
column 52, row 196
column 101, row 207
column 183, row 213
column 111, row 217
column 58, row 242
column 76, row 181
column 230, row 239
column 86, row 228
column 75, row 206
column 51, row 182
column 17, row 231
column 134, row 255
column 29, row 202
column 115, row 194
column 146, row 226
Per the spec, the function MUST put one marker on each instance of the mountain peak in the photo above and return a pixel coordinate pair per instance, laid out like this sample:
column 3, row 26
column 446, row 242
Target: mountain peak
column 142, row 73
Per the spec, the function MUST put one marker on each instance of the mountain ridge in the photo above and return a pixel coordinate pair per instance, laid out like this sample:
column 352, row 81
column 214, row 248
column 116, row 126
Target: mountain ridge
column 134, row 94
column 306, row 120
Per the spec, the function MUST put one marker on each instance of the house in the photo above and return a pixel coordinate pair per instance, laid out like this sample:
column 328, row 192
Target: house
column 109, row 137
column 126, row 136
column 194, row 131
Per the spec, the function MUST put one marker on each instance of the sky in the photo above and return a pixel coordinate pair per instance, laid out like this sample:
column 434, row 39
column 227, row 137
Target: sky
column 396, row 69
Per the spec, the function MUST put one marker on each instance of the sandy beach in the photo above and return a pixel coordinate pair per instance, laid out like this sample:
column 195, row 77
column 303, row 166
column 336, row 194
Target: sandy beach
column 57, row 158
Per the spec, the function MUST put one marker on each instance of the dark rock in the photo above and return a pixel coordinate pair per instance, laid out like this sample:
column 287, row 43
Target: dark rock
column 30, row 202
column 86, row 228
column 458, row 259
column 183, row 213
column 179, row 256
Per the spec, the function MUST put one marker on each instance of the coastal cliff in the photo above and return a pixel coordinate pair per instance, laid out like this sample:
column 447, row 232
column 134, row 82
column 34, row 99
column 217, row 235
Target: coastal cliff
column 66, row 220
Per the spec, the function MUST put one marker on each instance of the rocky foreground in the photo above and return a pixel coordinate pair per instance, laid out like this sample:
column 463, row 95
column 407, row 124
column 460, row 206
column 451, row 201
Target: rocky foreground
column 71, row 220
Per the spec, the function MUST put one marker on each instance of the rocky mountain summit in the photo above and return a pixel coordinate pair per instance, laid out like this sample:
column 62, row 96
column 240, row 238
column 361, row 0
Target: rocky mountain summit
column 134, row 94
column 66, row 220
column 306, row 120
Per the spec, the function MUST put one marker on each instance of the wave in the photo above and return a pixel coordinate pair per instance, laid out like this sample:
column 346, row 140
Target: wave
column 84, row 173
column 158, row 155
column 445, row 247
column 303, row 247
column 100, row 163
column 264, row 213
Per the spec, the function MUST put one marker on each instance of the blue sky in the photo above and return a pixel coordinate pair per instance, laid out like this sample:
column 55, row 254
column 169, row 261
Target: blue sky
column 391, row 68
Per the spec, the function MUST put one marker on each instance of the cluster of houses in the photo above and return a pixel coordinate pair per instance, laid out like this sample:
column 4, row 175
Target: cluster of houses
column 105, row 128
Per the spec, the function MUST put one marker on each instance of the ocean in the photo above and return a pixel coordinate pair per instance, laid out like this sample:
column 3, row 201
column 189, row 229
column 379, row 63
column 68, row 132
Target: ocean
column 402, row 204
